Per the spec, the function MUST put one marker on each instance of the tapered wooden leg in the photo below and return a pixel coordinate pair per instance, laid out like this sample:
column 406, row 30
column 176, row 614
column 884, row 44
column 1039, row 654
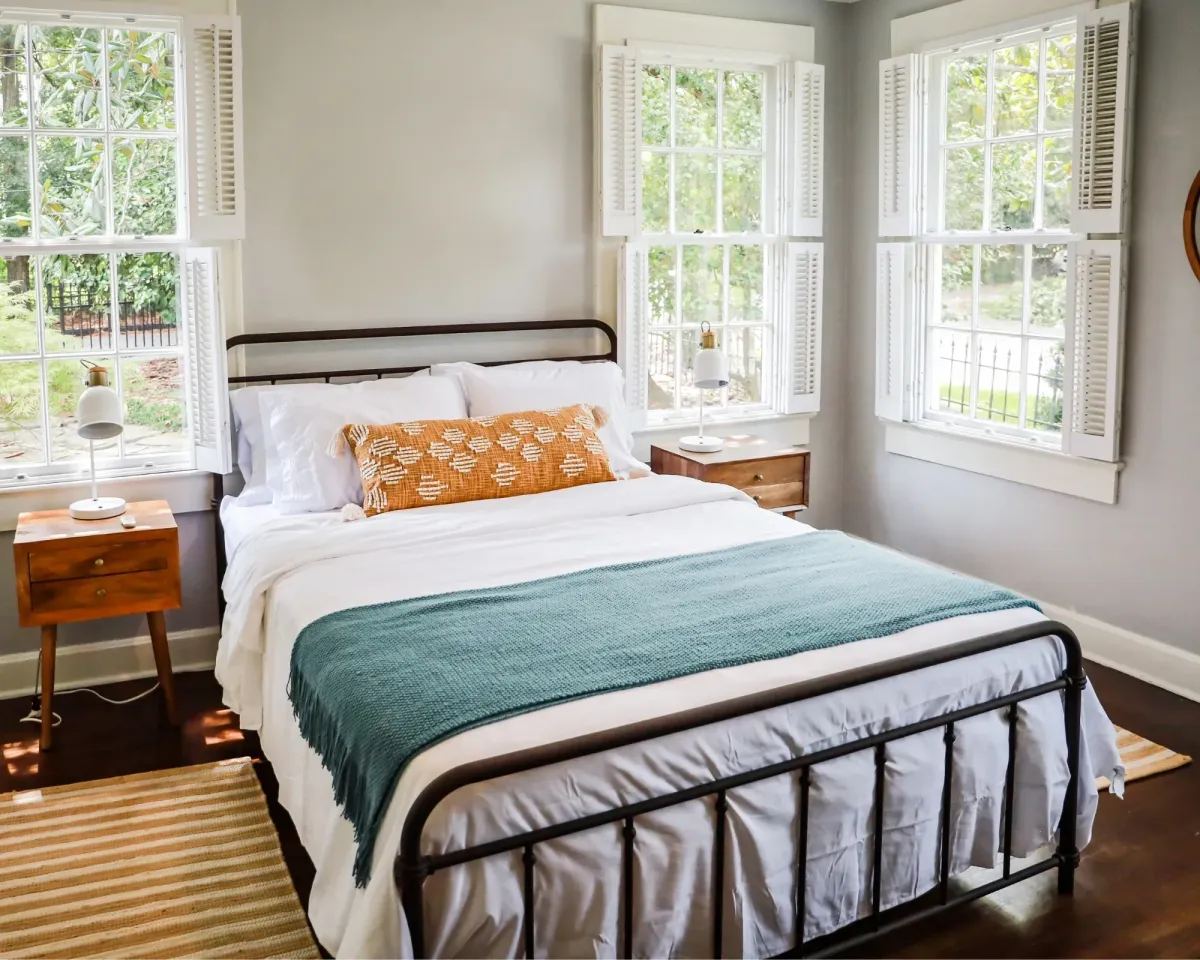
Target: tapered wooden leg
column 49, row 642
column 162, row 660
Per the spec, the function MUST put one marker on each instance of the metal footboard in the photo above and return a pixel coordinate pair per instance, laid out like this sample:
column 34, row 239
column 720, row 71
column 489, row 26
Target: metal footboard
column 412, row 867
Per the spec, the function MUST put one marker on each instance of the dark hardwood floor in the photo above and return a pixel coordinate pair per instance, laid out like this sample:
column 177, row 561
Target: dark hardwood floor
column 1137, row 890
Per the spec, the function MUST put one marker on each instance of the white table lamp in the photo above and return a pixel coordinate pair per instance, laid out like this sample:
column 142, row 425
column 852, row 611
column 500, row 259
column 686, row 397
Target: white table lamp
column 710, row 371
column 100, row 418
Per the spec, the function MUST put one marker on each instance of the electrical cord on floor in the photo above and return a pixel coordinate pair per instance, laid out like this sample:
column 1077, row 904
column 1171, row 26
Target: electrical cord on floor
column 35, row 709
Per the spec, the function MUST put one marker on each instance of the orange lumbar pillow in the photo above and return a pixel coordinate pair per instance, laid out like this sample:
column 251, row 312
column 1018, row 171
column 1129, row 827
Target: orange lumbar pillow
column 424, row 462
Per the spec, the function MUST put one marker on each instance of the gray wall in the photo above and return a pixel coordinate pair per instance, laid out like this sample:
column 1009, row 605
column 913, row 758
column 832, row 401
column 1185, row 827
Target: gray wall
column 445, row 173
column 1133, row 564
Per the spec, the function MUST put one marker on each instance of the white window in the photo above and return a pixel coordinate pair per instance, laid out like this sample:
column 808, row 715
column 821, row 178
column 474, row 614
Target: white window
column 711, row 163
column 105, row 192
column 999, row 316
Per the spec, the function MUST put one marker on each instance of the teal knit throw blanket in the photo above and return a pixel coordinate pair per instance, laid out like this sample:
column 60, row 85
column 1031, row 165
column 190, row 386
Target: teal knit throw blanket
column 373, row 686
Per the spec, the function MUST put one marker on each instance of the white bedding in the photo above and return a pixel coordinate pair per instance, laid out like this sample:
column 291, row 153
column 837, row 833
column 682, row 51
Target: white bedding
column 291, row 570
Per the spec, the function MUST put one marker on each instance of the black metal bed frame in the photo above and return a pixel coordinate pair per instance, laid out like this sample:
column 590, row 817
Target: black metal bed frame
column 412, row 867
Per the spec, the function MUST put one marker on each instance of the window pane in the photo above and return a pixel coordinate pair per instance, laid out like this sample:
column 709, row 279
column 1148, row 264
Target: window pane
column 1014, row 184
column 1048, row 294
column 958, row 285
column 76, row 299
column 1060, row 82
column 155, row 412
column 662, row 285
column 1001, row 288
column 950, row 370
column 703, row 269
column 660, row 364
column 15, row 217
column 656, row 196
column 695, row 193
column 743, row 103
column 656, row 105
column 999, row 396
column 66, row 381
column 141, row 79
column 18, row 307
column 742, row 194
column 964, row 188
column 71, row 190
column 745, row 348
column 689, row 393
column 746, row 283
column 67, row 70
column 1044, row 386
column 1056, row 188
column 695, row 108
column 21, row 439
column 966, row 98
column 148, row 300
column 14, row 81
column 144, row 194
column 1015, row 97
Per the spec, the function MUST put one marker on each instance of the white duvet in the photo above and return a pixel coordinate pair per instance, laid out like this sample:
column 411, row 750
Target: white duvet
column 295, row 569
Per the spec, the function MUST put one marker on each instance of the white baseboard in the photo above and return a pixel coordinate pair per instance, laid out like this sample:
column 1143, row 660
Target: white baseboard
column 108, row 661
column 1151, row 660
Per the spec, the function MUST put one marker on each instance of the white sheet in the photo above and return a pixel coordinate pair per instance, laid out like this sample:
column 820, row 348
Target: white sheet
column 293, row 570
column 238, row 521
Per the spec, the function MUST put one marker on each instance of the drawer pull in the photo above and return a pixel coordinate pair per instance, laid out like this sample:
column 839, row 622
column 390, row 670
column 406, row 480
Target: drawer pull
column 757, row 499
column 102, row 592
column 99, row 561
column 758, row 478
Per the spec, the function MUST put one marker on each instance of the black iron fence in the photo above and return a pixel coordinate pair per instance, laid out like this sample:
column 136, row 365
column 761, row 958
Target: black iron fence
column 78, row 313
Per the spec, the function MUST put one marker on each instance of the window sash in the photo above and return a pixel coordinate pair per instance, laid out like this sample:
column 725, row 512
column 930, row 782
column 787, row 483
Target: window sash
column 106, row 131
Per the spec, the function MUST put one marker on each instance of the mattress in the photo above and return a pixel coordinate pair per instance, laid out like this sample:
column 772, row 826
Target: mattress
column 289, row 571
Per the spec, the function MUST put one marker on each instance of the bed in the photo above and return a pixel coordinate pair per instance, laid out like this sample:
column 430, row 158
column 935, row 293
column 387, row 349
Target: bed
column 786, row 806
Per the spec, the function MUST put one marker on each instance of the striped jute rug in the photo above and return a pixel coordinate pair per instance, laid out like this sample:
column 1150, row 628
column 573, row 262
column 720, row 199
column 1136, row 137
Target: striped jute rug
column 1143, row 758
column 176, row 863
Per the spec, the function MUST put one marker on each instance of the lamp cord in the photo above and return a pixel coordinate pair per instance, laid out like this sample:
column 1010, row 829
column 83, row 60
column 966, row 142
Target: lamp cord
column 35, row 710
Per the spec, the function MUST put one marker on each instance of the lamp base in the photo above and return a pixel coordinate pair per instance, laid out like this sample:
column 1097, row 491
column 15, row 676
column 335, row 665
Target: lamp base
column 696, row 444
column 97, row 508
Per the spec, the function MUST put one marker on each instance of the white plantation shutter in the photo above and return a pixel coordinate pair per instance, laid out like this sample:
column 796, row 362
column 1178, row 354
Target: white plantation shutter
column 1103, row 88
column 801, row 328
column 207, row 382
column 897, row 146
column 808, row 148
column 215, row 178
column 894, row 303
column 620, row 142
column 634, row 320
column 1092, row 389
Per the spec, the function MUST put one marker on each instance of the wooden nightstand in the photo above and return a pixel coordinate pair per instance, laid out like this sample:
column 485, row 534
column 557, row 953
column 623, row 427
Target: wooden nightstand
column 775, row 475
column 71, row 570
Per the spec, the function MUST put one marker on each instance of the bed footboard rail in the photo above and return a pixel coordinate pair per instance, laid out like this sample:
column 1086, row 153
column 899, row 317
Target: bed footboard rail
column 412, row 867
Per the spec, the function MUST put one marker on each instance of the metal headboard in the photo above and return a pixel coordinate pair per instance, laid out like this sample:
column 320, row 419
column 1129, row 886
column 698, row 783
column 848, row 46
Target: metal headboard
column 384, row 333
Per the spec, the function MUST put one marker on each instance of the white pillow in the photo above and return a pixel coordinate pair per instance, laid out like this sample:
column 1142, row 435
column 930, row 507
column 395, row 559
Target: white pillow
column 302, row 474
column 546, row 384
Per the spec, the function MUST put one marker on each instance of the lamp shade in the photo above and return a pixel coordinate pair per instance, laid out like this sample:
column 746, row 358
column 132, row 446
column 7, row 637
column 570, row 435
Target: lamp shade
column 99, row 410
column 710, row 369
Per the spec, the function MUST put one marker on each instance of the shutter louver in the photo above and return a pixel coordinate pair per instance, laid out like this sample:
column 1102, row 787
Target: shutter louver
column 1095, row 295
column 897, row 143
column 803, row 278
column 1103, row 81
column 213, row 57
column 894, row 300
column 634, row 321
column 620, row 142
column 808, row 149
column 207, row 381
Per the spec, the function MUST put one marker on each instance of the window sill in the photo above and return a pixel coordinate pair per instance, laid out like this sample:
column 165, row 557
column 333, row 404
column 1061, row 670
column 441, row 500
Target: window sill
column 1005, row 460
column 187, row 491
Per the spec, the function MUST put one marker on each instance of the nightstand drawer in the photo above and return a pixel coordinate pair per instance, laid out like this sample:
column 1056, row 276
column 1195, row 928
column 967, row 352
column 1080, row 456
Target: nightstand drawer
column 90, row 597
column 756, row 473
column 777, row 495
column 100, row 561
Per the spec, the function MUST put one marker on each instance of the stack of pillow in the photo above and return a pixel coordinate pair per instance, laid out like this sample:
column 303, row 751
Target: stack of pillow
column 289, row 455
